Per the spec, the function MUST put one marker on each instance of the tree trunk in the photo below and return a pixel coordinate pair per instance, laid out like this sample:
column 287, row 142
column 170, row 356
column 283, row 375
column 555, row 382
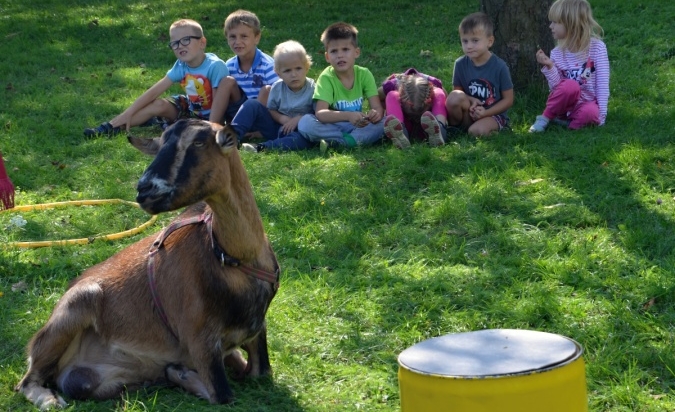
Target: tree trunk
column 521, row 28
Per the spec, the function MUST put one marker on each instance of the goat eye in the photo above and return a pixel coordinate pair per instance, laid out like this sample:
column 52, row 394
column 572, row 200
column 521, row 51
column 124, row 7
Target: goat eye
column 198, row 144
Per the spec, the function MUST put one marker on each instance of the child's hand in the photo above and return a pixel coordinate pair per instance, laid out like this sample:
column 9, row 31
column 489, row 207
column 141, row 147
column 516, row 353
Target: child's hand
column 543, row 59
column 122, row 119
column 374, row 116
column 291, row 125
column 476, row 109
column 477, row 113
column 358, row 119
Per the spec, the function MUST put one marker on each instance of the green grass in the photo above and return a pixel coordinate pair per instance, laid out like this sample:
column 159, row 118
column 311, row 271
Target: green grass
column 380, row 249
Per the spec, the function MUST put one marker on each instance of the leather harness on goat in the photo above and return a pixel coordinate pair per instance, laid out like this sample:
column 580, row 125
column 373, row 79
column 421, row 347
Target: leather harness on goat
column 222, row 256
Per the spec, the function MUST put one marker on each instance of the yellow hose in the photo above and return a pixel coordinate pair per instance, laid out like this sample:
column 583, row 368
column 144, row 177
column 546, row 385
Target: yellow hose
column 81, row 241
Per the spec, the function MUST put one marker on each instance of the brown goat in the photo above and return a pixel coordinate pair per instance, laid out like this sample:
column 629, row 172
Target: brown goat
column 180, row 312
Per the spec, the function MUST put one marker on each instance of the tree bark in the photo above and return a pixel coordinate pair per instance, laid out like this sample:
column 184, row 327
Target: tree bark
column 521, row 28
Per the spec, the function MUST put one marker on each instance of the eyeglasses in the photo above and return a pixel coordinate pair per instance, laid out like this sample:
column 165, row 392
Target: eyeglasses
column 182, row 42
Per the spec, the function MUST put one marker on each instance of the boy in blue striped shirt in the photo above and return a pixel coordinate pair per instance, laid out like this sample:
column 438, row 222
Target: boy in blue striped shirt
column 251, row 68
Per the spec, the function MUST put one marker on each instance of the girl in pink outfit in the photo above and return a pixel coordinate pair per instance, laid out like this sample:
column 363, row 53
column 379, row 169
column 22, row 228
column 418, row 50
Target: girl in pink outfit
column 577, row 71
column 415, row 107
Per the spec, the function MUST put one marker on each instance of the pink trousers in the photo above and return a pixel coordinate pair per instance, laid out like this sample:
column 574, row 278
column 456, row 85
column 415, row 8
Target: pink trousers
column 564, row 103
column 392, row 104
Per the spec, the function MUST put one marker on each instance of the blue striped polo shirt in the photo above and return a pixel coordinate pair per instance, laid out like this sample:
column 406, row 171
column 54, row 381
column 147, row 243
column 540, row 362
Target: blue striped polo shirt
column 261, row 73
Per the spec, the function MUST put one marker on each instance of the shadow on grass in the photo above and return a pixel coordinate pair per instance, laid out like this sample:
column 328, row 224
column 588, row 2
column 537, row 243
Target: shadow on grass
column 465, row 237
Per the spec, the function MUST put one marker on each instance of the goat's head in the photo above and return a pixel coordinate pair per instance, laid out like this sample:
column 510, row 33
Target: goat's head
column 192, row 162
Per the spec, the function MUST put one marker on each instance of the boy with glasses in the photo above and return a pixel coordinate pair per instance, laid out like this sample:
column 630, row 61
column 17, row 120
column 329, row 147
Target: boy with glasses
column 203, row 76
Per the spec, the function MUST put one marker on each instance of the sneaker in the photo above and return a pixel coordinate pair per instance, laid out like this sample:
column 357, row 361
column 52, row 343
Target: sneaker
column 393, row 129
column 432, row 128
column 252, row 148
column 248, row 147
column 103, row 129
column 539, row 125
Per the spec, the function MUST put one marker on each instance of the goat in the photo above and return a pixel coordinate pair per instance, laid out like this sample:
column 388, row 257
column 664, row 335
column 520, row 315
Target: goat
column 174, row 308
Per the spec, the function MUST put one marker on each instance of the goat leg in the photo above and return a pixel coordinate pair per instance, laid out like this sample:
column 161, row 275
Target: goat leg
column 187, row 379
column 71, row 316
column 236, row 362
column 258, row 357
column 208, row 365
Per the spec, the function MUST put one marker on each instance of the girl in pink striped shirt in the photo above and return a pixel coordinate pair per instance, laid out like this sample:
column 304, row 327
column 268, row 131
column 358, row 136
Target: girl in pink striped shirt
column 577, row 71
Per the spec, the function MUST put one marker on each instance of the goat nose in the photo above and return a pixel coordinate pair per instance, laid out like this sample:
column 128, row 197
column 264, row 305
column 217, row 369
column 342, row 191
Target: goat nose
column 144, row 188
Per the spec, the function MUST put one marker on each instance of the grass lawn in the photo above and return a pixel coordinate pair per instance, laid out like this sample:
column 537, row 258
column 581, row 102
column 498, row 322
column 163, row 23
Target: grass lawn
column 564, row 232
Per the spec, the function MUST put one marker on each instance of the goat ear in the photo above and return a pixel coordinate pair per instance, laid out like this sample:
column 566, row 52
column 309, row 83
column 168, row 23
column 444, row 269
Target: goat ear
column 146, row 146
column 226, row 138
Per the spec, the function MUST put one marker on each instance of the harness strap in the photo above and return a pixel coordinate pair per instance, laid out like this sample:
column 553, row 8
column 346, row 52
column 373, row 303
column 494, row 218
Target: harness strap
column 156, row 245
column 224, row 259
column 222, row 256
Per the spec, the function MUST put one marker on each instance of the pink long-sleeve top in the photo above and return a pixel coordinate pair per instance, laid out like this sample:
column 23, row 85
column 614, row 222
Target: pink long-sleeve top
column 589, row 67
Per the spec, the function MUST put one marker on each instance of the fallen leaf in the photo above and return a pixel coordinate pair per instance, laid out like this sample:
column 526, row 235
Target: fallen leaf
column 649, row 304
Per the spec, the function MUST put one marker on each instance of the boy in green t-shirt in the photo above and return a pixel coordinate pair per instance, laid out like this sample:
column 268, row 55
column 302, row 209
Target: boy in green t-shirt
column 340, row 93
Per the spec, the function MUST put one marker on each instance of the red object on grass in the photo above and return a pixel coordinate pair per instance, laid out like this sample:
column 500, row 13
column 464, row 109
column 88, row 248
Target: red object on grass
column 6, row 188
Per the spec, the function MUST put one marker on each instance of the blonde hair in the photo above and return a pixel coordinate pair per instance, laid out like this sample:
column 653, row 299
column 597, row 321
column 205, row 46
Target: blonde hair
column 416, row 93
column 340, row 31
column 577, row 17
column 244, row 17
column 291, row 48
column 188, row 23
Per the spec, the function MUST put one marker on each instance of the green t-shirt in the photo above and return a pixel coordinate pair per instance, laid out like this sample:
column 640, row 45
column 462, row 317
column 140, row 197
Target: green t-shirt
column 330, row 89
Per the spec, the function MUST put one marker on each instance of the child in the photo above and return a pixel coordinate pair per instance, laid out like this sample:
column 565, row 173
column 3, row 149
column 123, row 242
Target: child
column 200, row 74
column 251, row 68
column 577, row 71
column 339, row 94
column 289, row 99
column 414, row 102
column 482, row 87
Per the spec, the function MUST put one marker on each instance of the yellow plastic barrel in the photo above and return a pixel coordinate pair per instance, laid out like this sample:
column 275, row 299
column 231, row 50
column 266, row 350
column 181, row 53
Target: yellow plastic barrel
column 505, row 370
